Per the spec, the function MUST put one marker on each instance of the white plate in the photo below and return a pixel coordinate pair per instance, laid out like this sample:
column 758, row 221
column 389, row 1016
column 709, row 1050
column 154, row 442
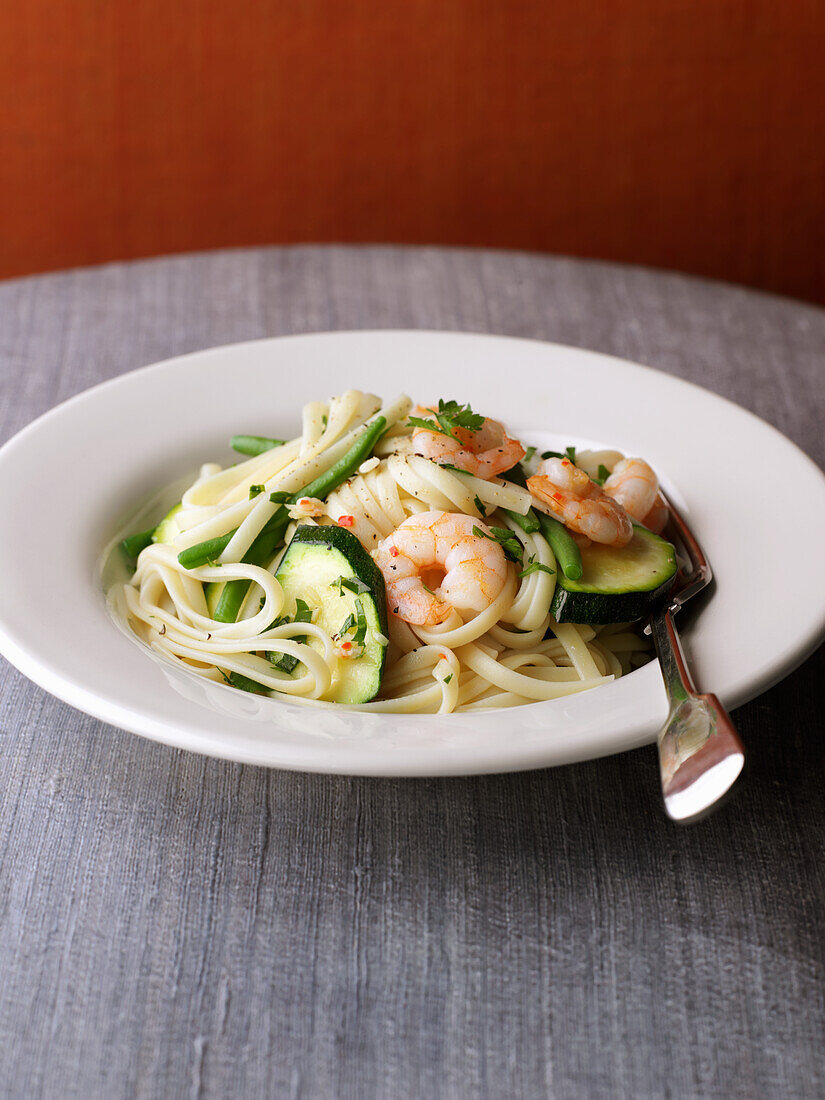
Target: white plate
column 71, row 480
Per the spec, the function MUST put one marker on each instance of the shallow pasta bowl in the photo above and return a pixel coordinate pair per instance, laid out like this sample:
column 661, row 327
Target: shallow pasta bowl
column 123, row 440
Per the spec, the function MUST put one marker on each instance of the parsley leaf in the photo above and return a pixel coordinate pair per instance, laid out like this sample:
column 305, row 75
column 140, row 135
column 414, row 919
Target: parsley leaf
column 352, row 583
column 479, row 505
column 534, row 566
column 255, row 490
column 303, row 612
column 528, row 454
column 286, row 662
column 448, row 678
column 569, row 452
column 448, row 416
column 428, row 425
column 348, row 624
column 279, row 496
column 244, row 683
column 453, row 469
column 603, row 475
column 357, row 623
column 361, row 628
column 505, row 538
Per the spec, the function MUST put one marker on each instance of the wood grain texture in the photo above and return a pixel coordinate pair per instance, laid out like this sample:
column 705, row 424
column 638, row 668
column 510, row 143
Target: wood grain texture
column 177, row 926
column 687, row 135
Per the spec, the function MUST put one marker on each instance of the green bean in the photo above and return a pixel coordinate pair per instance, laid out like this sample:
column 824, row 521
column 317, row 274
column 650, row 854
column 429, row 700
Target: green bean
column 262, row 549
column 561, row 542
column 563, row 546
column 528, row 523
column 133, row 545
column 259, row 553
column 204, row 552
column 347, row 464
column 516, row 475
column 254, row 444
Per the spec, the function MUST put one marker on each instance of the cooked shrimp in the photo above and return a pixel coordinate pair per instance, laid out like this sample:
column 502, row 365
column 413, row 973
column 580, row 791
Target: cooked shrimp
column 657, row 517
column 634, row 484
column 579, row 502
column 636, row 487
column 433, row 563
column 486, row 452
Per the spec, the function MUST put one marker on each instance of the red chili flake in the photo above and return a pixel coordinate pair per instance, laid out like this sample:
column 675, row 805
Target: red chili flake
column 346, row 521
column 346, row 646
column 394, row 551
column 556, row 496
column 304, row 501
column 565, row 462
column 442, row 656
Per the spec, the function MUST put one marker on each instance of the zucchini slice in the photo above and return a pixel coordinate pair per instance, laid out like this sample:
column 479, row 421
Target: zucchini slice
column 212, row 591
column 168, row 526
column 329, row 569
column 617, row 585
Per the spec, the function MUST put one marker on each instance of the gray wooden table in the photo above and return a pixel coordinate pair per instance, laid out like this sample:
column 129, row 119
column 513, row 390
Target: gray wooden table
column 175, row 926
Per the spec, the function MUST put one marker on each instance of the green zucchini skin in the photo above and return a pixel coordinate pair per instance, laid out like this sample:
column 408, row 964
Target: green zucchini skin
column 313, row 561
column 618, row 585
column 168, row 526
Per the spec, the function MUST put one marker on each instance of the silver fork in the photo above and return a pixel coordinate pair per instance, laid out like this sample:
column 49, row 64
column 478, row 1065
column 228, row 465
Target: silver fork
column 700, row 753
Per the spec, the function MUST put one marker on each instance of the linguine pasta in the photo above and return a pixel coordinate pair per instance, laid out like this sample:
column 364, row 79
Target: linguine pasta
column 511, row 653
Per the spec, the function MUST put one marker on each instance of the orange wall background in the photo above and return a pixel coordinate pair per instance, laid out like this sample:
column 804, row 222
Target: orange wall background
column 685, row 134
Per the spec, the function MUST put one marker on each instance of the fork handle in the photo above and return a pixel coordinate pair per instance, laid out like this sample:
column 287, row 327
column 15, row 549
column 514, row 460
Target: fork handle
column 700, row 754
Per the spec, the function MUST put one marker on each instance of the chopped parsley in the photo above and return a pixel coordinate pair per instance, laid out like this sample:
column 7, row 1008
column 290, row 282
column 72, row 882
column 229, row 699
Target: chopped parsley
column 603, row 474
column 255, row 490
column 286, row 662
column 347, row 625
column 528, row 454
column 449, row 416
column 505, row 538
column 357, row 623
column 569, row 452
column 303, row 612
column 453, row 469
column 534, row 566
column 479, row 505
column 352, row 583
column 448, row 678
column 244, row 683
column 279, row 496
column 361, row 628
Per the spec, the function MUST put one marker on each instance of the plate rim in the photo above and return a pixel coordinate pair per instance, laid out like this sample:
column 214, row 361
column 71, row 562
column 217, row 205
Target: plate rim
column 107, row 710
